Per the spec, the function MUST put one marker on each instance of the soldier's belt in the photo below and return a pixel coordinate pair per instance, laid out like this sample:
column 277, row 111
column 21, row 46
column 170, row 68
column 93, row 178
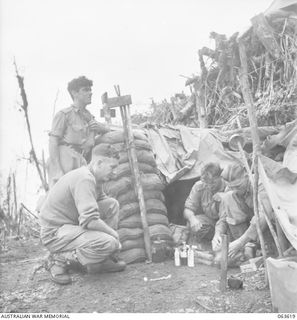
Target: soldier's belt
column 75, row 147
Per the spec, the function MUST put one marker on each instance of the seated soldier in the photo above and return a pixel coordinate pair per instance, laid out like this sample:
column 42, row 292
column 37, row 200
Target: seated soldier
column 203, row 204
column 78, row 230
column 237, row 208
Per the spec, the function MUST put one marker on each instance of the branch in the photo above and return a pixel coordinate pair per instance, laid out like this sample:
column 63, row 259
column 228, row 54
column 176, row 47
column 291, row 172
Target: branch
column 24, row 106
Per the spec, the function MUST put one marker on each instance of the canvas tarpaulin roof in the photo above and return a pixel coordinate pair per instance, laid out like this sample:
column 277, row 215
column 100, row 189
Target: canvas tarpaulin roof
column 181, row 151
column 280, row 182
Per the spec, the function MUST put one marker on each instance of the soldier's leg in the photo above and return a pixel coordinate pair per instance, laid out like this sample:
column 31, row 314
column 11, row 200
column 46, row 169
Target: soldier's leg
column 74, row 246
column 206, row 232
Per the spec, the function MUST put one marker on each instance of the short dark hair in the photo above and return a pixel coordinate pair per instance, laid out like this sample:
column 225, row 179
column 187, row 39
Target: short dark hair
column 80, row 82
column 105, row 150
column 213, row 168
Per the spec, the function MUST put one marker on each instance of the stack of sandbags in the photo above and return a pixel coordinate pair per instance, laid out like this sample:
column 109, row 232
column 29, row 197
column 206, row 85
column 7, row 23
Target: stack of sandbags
column 121, row 187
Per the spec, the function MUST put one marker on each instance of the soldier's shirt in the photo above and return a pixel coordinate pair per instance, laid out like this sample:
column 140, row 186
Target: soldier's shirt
column 200, row 201
column 71, row 126
column 72, row 200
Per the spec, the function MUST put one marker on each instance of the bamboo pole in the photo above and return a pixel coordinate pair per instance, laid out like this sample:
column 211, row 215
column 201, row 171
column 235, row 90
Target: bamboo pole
column 245, row 88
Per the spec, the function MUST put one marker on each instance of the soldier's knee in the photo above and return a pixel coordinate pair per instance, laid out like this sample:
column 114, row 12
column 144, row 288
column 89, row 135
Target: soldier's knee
column 113, row 245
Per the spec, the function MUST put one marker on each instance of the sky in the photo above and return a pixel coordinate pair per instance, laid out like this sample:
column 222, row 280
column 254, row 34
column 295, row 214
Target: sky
column 145, row 46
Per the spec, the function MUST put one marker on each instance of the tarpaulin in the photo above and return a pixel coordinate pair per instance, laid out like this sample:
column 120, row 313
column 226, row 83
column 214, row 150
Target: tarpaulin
column 280, row 182
column 181, row 152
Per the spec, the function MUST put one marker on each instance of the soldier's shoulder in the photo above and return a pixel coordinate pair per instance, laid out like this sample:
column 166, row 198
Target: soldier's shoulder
column 66, row 110
column 199, row 185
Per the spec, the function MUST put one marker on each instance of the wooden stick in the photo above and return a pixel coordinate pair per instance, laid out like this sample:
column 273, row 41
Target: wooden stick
column 44, row 167
column 105, row 108
column 270, row 226
column 15, row 197
column 126, row 118
column 138, row 187
column 224, row 263
column 32, row 214
column 284, row 244
column 244, row 83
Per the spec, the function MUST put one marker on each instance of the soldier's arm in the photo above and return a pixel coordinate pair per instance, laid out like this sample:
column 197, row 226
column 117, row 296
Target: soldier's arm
column 84, row 195
column 54, row 153
column 55, row 135
column 192, row 206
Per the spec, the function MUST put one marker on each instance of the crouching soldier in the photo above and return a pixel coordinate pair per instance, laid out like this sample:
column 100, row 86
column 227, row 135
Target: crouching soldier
column 237, row 209
column 78, row 230
column 203, row 204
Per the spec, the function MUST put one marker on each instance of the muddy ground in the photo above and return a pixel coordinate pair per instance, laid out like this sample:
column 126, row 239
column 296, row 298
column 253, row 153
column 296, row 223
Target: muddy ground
column 185, row 290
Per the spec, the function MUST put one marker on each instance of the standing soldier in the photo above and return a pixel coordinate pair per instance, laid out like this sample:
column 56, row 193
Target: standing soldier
column 73, row 131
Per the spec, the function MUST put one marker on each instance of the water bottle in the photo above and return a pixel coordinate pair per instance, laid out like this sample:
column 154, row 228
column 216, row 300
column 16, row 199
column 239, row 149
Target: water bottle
column 190, row 257
column 176, row 257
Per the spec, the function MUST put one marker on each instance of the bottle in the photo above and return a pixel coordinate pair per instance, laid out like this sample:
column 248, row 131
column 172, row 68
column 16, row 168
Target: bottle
column 190, row 257
column 176, row 257
column 183, row 255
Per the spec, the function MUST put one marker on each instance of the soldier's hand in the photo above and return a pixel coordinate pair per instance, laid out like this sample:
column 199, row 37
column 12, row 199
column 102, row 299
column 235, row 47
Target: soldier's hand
column 98, row 127
column 216, row 242
column 218, row 196
column 195, row 224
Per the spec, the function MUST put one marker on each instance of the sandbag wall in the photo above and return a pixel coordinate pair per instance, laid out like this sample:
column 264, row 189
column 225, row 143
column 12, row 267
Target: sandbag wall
column 121, row 187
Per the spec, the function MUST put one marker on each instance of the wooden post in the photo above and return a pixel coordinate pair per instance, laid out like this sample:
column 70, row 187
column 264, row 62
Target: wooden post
column 127, row 124
column 284, row 243
column 44, row 167
column 138, row 187
column 106, row 110
column 200, row 105
column 245, row 88
column 224, row 263
column 249, row 171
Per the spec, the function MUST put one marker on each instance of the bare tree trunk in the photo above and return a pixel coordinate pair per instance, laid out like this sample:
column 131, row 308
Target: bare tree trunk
column 25, row 108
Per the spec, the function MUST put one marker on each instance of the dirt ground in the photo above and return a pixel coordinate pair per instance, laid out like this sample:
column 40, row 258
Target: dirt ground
column 185, row 290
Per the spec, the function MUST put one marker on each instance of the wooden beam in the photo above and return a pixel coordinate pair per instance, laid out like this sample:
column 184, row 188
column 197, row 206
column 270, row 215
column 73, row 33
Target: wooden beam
column 106, row 110
column 119, row 101
column 224, row 263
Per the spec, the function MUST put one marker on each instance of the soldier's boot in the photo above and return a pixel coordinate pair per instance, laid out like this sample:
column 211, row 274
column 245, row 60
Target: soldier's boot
column 58, row 269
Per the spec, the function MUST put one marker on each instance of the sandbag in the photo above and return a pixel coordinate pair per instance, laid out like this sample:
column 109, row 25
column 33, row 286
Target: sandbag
column 160, row 232
column 134, row 221
column 123, row 169
column 149, row 181
column 118, row 136
column 133, row 255
column 130, row 196
column 143, row 156
column 115, row 188
column 152, row 206
column 139, row 145
column 129, row 234
column 130, row 244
